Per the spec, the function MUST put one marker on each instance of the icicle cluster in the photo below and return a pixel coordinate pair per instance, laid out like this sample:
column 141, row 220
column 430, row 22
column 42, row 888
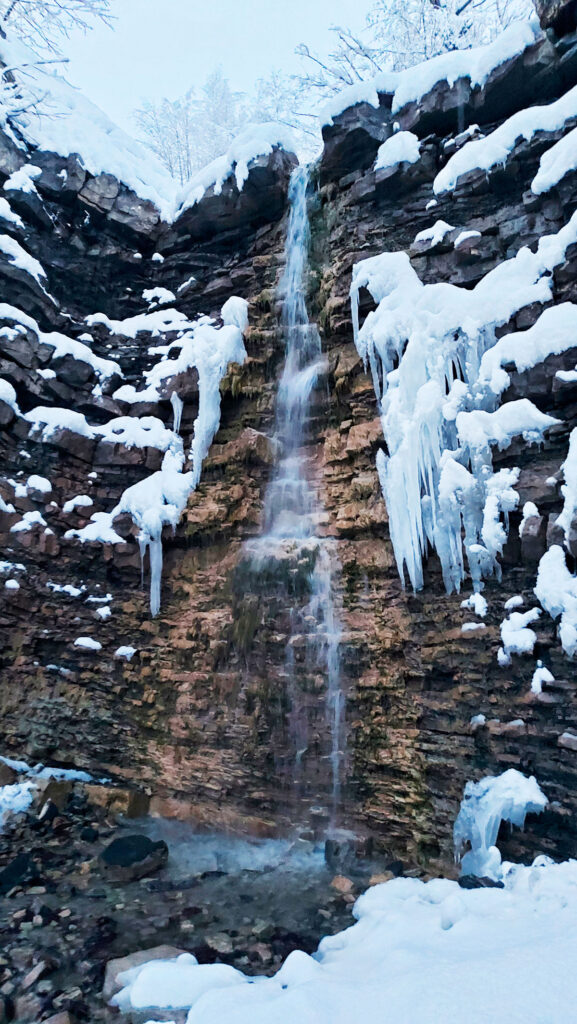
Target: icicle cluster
column 437, row 369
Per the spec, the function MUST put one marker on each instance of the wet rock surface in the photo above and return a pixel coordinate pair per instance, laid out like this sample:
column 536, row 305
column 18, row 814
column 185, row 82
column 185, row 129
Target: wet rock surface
column 201, row 715
column 68, row 929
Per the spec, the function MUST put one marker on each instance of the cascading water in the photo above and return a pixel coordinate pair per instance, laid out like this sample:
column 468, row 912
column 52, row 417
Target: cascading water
column 290, row 542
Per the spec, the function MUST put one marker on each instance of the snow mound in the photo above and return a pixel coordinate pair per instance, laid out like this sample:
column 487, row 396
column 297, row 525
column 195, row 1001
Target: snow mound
column 419, row 953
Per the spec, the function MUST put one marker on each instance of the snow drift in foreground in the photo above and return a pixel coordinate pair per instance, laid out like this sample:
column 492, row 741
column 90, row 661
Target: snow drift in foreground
column 420, row 953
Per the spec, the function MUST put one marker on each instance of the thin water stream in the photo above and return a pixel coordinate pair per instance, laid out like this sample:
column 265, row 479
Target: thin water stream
column 293, row 508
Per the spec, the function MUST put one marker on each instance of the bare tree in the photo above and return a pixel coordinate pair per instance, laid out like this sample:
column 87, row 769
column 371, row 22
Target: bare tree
column 189, row 132
column 400, row 33
column 44, row 23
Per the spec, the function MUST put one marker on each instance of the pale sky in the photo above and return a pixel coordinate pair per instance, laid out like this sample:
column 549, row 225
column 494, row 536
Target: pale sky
column 163, row 47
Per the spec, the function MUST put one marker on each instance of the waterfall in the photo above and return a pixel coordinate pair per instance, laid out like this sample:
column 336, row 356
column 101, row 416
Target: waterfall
column 293, row 509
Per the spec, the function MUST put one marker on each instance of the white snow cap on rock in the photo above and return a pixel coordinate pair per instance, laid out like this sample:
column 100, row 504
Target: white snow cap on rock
column 401, row 148
column 254, row 141
column 494, row 150
column 88, row 643
column 556, row 590
column 410, row 85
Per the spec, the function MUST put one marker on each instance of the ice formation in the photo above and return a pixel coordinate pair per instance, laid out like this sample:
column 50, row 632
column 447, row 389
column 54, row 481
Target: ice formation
column 437, row 369
column 160, row 499
column 507, row 797
column 556, row 589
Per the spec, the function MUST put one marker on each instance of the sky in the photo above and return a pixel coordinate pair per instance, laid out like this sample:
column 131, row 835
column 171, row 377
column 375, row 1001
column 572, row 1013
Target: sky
column 163, row 47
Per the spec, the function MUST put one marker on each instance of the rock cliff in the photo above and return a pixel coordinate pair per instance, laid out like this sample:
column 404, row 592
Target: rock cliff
column 199, row 716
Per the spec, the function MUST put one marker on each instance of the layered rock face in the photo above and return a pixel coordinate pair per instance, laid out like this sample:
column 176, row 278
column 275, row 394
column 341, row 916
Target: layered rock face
column 202, row 716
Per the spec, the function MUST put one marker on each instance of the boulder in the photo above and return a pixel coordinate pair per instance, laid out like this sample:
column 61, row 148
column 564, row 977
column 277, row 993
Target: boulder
column 534, row 539
column 131, row 857
column 23, row 870
column 560, row 15
column 472, row 882
column 126, row 963
column 351, row 143
column 262, row 200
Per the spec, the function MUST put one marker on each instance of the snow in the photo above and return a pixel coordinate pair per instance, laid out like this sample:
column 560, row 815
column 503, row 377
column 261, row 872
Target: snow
column 15, row 799
column 62, row 345
column 234, row 313
column 254, row 141
column 552, row 334
column 7, row 213
column 429, row 349
column 38, row 483
column 156, row 322
column 418, row 953
column 66, row 588
column 175, row 985
column 40, row 771
column 28, row 522
column 494, row 149
column 80, row 501
column 104, row 613
column 515, row 633
column 87, row 643
column 8, row 395
column 127, row 653
column 530, row 510
column 66, row 122
column 435, row 234
column 12, row 585
column 23, row 179
column 478, row 604
column 555, row 163
column 478, row 429
column 402, row 147
column 541, row 675
column 22, row 259
column 410, row 85
column 158, row 296
column 47, row 420
column 472, row 627
column 507, row 797
column 514, row 602
column 569, row 488
column 556, row 590
column 466, row 236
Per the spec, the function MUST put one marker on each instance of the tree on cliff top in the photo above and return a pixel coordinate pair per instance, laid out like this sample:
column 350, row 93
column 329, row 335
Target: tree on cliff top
column 400, row 33
column 44, row 23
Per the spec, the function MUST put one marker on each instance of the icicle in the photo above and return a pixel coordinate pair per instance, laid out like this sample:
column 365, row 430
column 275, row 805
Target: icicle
column 177, row 407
